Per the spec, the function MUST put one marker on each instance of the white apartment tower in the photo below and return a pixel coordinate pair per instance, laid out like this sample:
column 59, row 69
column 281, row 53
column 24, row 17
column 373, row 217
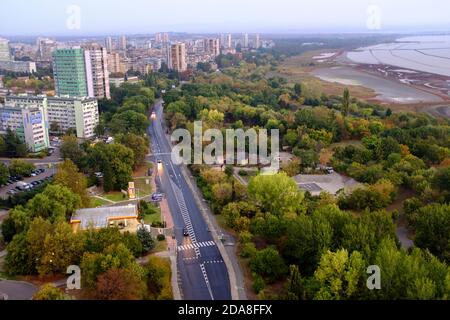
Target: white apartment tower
column 123, row 43
column 96, row 59
column 5, row 54
column 109, row 44
column 246, row 40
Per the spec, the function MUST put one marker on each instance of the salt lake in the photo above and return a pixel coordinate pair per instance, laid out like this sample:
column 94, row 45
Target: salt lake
column 422, row 53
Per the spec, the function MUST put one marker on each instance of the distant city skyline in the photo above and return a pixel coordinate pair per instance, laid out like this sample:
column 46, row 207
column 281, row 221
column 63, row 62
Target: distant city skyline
column 102, row 17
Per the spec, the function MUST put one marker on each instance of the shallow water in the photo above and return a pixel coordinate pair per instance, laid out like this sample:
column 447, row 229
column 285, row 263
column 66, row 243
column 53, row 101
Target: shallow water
column 422, row 53
column 386, row 89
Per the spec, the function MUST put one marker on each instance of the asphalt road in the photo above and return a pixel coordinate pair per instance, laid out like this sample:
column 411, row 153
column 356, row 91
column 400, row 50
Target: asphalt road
column 202, row 272
column 17, row 290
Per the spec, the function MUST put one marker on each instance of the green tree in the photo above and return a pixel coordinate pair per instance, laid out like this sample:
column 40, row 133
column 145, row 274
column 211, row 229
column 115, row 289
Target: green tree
column 14, row 146
column 94, row 264
column 146, row 239
column 21, row 168
column 18, row 260
column 341, row 275
column 346, row 102
column 61, row 248
column 69, row 176
column 4, row 173
column 129, row 121
column 138, row 144
column 268, row 264
column 115, row 161
column 277, row 194
column 433, row 230
column 70, row 149
column 50, row 292
column 56, row 203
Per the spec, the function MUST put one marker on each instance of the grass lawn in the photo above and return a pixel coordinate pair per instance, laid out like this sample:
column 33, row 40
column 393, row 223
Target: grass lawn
column 144, row 188
column 150, row 218
column 96, row 202
column 115, row 196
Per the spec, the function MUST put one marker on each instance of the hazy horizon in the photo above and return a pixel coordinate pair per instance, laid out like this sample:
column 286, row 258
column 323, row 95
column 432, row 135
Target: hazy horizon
column 101, row 17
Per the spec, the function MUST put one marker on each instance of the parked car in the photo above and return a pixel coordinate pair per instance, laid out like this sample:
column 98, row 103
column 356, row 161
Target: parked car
column 185, row 232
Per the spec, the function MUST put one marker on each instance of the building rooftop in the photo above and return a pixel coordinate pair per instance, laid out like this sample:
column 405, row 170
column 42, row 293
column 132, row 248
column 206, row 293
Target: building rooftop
column 100, row 217
column 43, row 96
column 330, row 183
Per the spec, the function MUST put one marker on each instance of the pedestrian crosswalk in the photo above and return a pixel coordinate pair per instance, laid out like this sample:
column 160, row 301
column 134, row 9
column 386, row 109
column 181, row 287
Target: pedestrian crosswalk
column 196, row 245
column 185, row 214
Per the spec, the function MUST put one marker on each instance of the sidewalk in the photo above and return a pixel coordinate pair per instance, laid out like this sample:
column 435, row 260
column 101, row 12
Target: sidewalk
column 166, row 216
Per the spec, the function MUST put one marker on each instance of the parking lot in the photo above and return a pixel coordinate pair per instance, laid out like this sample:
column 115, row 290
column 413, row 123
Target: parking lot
column 27, row 183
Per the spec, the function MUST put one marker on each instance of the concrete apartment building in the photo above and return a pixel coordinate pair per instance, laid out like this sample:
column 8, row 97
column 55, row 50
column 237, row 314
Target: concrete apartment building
column 81, row 72
column 45, row 48
column 28, row 122
column 123, row 43
column 96, row 60
column 116, row 63
column 178, row 57
column 67, row 112
column 5, row 54
column 212, row 46
column 18, row 66
column 109, row 44
column 69, row 70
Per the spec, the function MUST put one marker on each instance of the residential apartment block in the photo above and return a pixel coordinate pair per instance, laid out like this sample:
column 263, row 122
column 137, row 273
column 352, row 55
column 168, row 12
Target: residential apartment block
column 28, row 122
column 67, row 112
column 177, row 57
column 81, row 72
column 18, row 66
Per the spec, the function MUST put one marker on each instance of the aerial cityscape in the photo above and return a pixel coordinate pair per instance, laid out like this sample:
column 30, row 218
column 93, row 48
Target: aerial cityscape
column 289, row 151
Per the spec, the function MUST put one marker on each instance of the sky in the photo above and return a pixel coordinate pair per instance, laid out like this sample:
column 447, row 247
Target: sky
column 101, row 17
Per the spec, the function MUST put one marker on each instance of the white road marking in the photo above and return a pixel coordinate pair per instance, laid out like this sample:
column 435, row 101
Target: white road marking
column 196, row 245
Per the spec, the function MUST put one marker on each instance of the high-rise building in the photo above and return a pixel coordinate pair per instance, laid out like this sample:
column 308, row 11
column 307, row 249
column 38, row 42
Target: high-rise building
column 81, row 73
column 109, row 44
column 158, row 37
column 69, row 69
column 246, row 40
column 257, row 42
column 115, row 63
column 178, row 57
column 96, row 61
column 28, row 122
column 229, row 44
column 80, row 114
column 211, row 46
column 45, row 48
column 165, row 38
column 123, row 43
column 5, row 54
